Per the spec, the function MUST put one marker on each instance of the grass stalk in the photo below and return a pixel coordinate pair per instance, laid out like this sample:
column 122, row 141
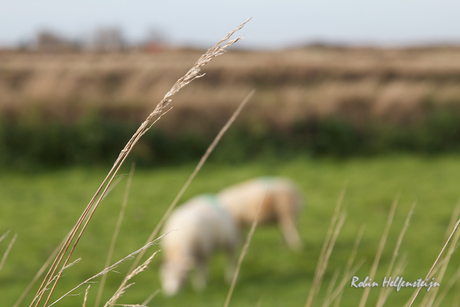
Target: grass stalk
column 346, row 273
column 340, row 223
column 331, row 286
column 48, row 261
column 381, row 299
column 317, row 277
column 54, row 277
column 430, row 297
column 379, row 250
column 39, row 273
column 125, row 284
column 453, row 219
column 435, row 262
column 160, row 109
column 244, row 251
column 151, row 296
column 106, row 270
column 447, row 287
column 85, row 299
column 441, row 263
column 399, row 269
column 345, row 280
column 115, row 234
column 456, row 300
column 8, row 250
column 4, row 236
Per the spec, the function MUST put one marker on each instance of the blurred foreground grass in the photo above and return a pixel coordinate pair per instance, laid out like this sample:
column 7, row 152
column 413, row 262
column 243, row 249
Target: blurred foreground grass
column 42, row 207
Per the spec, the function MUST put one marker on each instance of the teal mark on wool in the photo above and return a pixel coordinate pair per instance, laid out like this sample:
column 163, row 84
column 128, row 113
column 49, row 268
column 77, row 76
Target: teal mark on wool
column 212, row 199
column 266, row 180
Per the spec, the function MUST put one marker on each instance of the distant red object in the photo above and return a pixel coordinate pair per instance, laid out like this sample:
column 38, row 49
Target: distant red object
column 154, row 47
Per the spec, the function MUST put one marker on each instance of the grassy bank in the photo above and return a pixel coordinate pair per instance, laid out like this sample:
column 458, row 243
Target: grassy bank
column 42, row 207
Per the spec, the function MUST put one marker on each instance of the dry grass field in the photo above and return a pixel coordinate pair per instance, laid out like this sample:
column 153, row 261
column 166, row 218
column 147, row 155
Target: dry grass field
column 316, row 100
column 304, row 83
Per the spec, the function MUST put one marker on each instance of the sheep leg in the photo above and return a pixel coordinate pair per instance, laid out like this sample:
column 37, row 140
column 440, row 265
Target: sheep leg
column 231, row 265
column 287, row 224
column 199, row 282
column 290, row 233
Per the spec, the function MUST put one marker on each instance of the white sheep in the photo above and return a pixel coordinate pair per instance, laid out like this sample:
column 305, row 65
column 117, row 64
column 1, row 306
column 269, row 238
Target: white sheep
column 281, row 205
column 198, row 229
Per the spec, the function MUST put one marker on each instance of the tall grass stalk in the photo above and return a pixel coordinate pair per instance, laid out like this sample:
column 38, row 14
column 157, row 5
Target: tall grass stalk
column 382, row 298
column 4, row 236
column 436, row 269
column 159, row 110
column 115, row 234
column 106, row 270
column 414, row 297
column 447, row 287
column 456, row 296
column 125, row 284
column 379, row 250
column 54, row 278
column 85, row 299
column 346, row 273
column 345, row 280
column 429, row 298
column 195, row 172
column 331, row 286
column 39, row 273
column 317, row 278
column 398, row 270
column 340, row 223
column 453, row 219
column 244, row 251
column 8, row 249
column 148, row 299
column 50, row 258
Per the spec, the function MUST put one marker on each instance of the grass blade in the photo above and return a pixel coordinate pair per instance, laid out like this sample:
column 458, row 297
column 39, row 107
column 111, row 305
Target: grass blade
column 243, row 252
column 317, row 279
column 115, row 235
column 381, row 298
column 346, row 274
column 435, row 262
column 8, row 249
column 380, row 250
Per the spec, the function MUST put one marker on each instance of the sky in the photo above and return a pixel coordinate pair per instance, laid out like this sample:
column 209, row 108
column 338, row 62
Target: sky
column 274, row 24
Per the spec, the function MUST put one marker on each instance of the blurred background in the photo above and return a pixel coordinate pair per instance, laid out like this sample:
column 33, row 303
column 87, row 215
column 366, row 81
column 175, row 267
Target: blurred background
column 358, row 93
column 331, row 78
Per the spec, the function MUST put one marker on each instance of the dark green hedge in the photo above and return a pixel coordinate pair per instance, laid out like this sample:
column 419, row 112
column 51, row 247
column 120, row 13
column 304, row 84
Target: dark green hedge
column 98, row 140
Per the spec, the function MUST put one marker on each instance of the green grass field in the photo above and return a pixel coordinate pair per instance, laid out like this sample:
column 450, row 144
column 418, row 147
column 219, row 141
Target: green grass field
column 42, row 207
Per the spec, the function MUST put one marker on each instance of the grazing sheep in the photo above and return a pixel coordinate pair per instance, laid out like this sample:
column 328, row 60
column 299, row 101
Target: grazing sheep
column 198, row 228
column 281, row 205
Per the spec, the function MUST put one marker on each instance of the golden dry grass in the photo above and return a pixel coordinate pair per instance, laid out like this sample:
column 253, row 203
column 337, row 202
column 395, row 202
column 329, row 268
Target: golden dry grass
column 305, row 83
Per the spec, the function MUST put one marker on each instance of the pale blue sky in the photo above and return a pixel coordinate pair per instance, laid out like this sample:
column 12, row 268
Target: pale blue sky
column 275, row 23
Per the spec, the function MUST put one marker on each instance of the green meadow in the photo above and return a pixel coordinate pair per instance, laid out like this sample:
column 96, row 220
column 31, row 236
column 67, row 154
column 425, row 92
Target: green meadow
column 41, row 207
